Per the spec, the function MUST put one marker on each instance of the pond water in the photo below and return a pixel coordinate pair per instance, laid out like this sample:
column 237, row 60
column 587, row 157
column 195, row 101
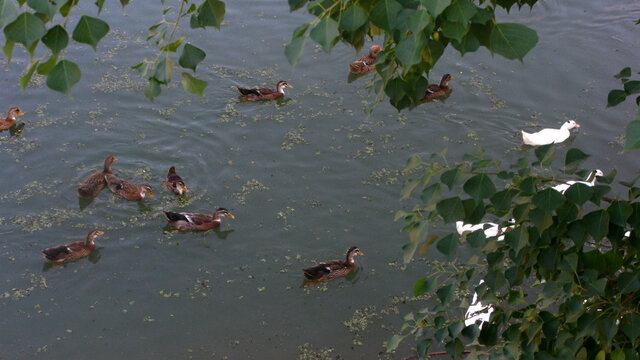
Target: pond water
column 306, row 178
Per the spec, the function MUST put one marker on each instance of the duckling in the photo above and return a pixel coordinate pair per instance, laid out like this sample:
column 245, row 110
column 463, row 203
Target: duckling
column 174, row 182
column 95, row 183
column 435, row 91
column 196, row 221
column 10, row 120
column 126, row 189
column 333, row 268
column 367, row 62
column 72, row 251
column 259, row 94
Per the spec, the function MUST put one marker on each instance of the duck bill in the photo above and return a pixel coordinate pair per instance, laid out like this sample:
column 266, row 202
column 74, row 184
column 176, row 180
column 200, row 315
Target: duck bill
column 150, row 194
column 289, row 86
column 185, row 189
column 20, row 113
column 360, row 253
column 100, row 232
column 577, row 125
column 230, row 215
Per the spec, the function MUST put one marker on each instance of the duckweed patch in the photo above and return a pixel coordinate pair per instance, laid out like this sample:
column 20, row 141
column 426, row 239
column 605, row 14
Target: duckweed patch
column 45, row 220
column 251, row 186
column 31, row 189
column 309, row 352
column 292, row 138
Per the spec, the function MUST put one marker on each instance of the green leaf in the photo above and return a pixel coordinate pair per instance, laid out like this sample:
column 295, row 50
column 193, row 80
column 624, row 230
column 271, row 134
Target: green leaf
column 574, row 158
column 548, row 199
column 431, row 194
column 432, row 52
column 579, row 193
column 26, row 29
column 479, row 186
column 423, row 285
column 448, row 245
column 477, row 239
column 435, row 7
column 211, row 13
column 124, row 3
column 293, row 50
column 56, row 39
column 632, row 136
column 46, row 7
column 632, row 87
column 615, row 97
column 482, row 16
column 152, row 90
column 66, row 8
column 164, row 69
column 517, row 238
column 353, row 19
column 502, row 200
column 7, row 49
column 408, row 187
column 393, row 343
column 628, row 282
column 191, row 56
column 545, row 154
column 24, row 80
column 46, row 67
column 296, row 4
column 469, row 43
column 8, row 12
column 461, row 11
column 385, row 14
column 630, row 326
column 419, row 21
column 409, row 50
column 455, row 30
column 619, row 212
column 452, row 178
column 193, row 85
column 395, row 89
column 424, row 345
column 445, row 294
column 513, row 41
column 173, row 47
column 597, row 224
column 63, row 76
column 624, row 73
column 488, row 335
column 90, row 30
column 99, row 4
column 608, row 328
column 451, row 209
column 325, row 33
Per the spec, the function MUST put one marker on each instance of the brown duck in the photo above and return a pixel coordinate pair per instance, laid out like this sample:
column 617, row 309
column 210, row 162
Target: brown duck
column 197, row 221
column 95, row 183
column 259, row 94
column 72, row 251
column 174, row 182
column 126, row 189
column 367, row 62
column 333, row 268
column 435, row 91
column 10, row 120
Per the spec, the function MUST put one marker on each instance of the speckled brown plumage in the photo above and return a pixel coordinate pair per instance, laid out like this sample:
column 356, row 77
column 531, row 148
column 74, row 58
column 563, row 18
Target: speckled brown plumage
column 92, row 186
column 196, row 221
column 333, row 268
column 126, row 189
column 367, row 62
column 174, row 182
column 260, row 94
column 10, row 120
column 72, row 251
column 435, row 91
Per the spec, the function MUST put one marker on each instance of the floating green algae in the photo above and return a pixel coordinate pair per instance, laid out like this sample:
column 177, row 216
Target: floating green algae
column 251, row 186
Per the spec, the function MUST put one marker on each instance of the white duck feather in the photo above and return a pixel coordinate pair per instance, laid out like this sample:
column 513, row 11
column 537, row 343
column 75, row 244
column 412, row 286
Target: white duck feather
column 589, row 181
column 549, row 136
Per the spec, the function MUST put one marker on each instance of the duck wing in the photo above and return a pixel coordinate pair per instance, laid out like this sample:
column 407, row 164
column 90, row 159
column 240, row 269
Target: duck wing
column 323, row 269
column 249, row 92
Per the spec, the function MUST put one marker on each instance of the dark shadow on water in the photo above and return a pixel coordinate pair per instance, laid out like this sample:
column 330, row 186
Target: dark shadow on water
column 222, row 235
column 16, row 130
column 143, row 207
column 84, row 202
column 353, row 76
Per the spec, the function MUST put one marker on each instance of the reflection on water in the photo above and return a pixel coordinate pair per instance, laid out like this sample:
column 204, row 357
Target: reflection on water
column 307, row 175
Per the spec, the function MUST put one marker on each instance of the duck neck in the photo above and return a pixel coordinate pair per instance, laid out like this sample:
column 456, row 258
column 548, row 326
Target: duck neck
column 444, row 82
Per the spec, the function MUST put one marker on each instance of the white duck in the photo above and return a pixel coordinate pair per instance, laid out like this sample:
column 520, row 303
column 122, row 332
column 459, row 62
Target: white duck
column 550, row 136
column 490, row 229
column 477, row 311
column 590, row 181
